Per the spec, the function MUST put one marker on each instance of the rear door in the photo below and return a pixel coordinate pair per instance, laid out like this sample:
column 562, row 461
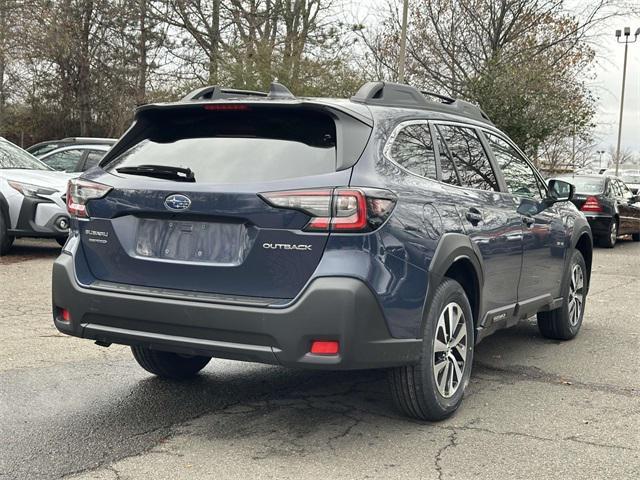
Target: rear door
column 543, row 232
column 488, row 216
column 216, row 234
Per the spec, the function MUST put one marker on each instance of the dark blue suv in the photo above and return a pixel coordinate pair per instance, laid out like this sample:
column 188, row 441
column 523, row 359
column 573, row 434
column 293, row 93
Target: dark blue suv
column 393, row 230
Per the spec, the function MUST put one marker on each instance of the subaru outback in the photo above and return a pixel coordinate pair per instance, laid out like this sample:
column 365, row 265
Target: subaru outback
column 394, row 230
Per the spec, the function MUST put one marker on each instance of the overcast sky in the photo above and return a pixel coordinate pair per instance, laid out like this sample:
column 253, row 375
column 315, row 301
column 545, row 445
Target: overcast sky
column 608, row 84
column 607, row 70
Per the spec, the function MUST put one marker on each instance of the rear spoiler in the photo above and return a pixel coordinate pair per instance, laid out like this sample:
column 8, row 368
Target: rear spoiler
column 353, row 129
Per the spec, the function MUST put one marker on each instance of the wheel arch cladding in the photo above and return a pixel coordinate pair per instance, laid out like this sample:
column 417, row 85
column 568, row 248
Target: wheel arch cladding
column 455, row 258
column 585, row 246
column 464, row 272
column 4, row 210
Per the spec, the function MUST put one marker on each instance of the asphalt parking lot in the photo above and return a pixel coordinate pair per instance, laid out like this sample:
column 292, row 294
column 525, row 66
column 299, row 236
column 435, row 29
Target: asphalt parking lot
column 535, row 408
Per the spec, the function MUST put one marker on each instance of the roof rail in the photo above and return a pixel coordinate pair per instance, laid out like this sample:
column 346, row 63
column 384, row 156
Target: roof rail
column 216, row 92
column 389, row 94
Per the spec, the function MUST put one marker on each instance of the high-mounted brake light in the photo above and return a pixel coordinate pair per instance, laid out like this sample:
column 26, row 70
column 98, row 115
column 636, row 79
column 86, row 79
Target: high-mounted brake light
column 227, row 107
column 340, row 210
column 79, row 192
column 591, row 205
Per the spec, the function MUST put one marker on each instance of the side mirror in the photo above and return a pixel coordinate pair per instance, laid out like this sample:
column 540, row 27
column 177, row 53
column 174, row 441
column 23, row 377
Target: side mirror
column 559, row 191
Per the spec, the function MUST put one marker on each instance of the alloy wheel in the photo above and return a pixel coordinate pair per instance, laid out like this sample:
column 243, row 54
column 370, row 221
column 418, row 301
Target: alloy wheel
column 450, row 350
column 614, row 232
column 576, row 295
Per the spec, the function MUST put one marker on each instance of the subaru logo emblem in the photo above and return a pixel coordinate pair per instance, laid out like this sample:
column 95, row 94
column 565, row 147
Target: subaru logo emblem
column 177, row 202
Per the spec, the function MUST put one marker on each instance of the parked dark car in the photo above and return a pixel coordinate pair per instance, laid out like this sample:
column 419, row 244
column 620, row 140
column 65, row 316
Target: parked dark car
column 631, row 177
column 611, row 208
column 392, row 230
column 40, row 149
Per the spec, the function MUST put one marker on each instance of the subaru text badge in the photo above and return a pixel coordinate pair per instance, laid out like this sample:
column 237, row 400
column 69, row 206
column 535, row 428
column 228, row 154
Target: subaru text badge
column 177, row 202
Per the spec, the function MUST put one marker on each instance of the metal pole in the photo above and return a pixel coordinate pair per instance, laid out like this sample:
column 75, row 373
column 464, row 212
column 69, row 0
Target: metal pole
column 403, row 41
column 624, row 79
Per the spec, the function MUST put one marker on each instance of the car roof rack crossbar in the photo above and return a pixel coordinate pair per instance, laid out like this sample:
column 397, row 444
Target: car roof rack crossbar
column 216, row 92
column 389, row 94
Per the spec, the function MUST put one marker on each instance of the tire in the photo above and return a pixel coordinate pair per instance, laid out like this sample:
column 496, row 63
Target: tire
column 167, row 364
column 636, row 237
column 609, row 240
column 5, row 239
column 564, row 323
column 417, row 389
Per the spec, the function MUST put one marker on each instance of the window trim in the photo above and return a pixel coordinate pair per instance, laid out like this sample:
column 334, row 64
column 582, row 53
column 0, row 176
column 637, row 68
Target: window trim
column 506, row 139
column 391, row 139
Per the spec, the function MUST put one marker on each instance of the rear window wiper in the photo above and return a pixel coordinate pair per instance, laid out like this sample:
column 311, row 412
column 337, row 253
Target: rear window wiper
column 160, row 171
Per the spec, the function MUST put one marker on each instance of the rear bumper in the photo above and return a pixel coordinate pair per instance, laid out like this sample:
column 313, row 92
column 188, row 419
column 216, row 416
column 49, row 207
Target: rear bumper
column 599, row 223
column 331, row 308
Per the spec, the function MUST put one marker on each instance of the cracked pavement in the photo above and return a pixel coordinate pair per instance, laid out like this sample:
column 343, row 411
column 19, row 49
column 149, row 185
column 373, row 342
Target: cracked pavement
column 535, row 408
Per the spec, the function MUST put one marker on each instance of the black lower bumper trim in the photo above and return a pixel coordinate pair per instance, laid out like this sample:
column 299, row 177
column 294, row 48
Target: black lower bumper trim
column 331, row 308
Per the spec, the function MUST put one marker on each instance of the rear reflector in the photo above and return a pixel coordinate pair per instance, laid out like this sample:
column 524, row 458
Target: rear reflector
column 65, row 315
column 591, row 205
column 321, row 347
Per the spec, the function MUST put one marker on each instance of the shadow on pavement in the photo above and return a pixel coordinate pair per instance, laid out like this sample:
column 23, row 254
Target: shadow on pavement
column 25, row 249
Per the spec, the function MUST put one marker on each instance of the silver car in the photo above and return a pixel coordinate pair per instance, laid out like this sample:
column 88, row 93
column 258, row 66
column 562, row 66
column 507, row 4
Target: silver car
column 74, row 158
column 32, row 198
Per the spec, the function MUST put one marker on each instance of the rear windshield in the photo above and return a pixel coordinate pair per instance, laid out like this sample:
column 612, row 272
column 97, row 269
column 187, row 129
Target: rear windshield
column 12, row 156
column 586, row 184
column 248, row 145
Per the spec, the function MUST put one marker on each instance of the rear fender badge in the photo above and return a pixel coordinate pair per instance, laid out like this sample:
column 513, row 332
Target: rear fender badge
column 286, row 246
column 177, row 202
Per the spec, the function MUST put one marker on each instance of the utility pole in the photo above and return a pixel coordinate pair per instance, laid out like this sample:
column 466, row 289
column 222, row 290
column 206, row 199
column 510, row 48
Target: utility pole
column 600, row 152
column 626, row 41
column 403, row 41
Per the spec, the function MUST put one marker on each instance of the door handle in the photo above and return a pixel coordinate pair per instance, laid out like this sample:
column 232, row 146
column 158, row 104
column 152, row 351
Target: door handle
column 528, row 221
column 474, row 216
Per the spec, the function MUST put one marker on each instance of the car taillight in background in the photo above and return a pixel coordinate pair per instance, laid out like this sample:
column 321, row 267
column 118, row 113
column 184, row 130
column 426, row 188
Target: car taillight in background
column 79, row 192
column 591, row 205
column 337, row 210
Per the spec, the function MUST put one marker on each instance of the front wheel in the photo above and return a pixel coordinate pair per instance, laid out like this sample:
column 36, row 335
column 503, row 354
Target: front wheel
column 564, row 323
column 168, row 364
column 433, row 388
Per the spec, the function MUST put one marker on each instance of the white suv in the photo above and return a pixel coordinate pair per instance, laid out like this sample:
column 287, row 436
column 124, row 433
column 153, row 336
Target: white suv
column 32, row 198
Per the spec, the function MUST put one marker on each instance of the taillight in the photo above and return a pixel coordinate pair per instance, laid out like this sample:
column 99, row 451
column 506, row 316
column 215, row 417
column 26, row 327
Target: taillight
column 338, row 210
column 591, row 205
column 79, row 192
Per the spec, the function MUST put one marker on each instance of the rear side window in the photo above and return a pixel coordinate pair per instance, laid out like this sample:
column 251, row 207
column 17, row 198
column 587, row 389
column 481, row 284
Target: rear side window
column 236, row 146
column 93, row 158
column 469, row 157
column 412, row 148
column 518, row 174
column 66, row 160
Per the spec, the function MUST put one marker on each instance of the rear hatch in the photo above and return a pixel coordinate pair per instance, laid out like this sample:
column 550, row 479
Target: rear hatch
column 195, row 221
